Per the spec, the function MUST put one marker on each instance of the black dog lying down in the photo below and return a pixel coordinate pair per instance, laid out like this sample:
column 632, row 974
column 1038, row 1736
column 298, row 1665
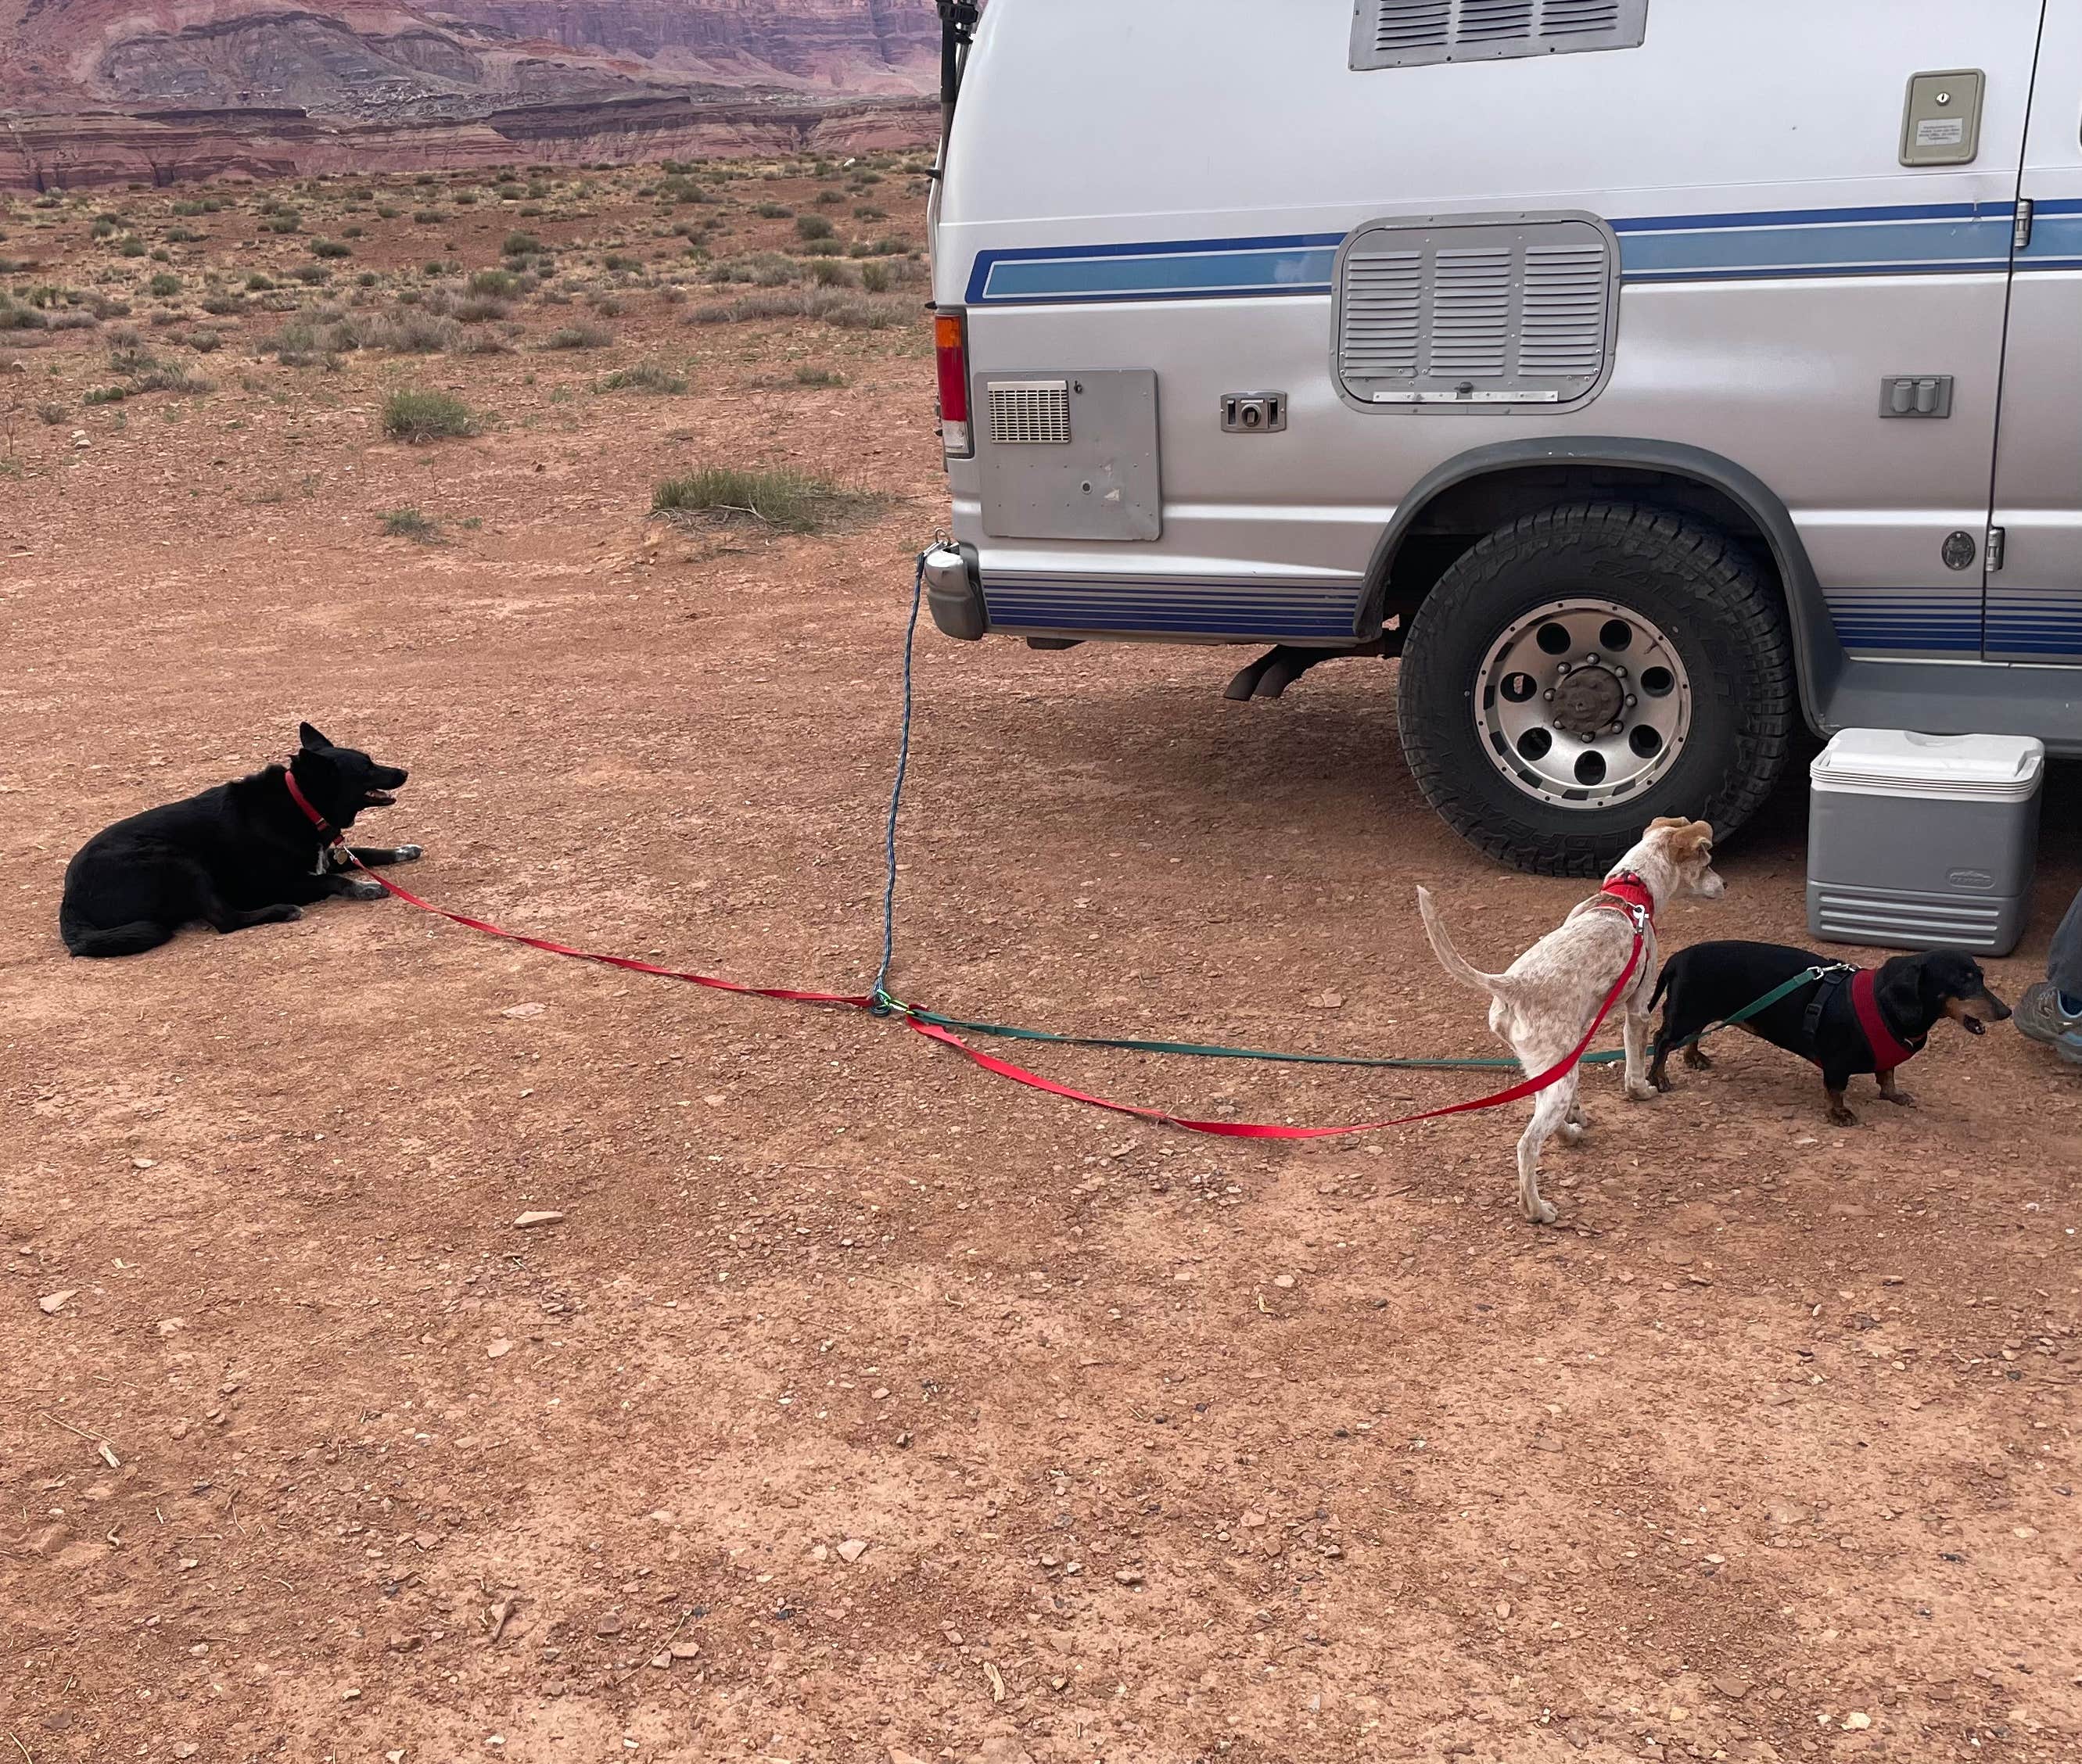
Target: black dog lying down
column 1706, row 983
column 242, row 854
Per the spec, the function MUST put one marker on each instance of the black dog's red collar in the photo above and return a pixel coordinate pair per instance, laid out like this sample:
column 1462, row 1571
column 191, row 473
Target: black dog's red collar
column 1631, row 892
column 325, row 829
column 1887, row 1052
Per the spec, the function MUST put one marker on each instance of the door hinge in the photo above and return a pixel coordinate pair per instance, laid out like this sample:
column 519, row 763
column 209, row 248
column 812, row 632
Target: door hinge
column 2020, row 227
column 1992, row 552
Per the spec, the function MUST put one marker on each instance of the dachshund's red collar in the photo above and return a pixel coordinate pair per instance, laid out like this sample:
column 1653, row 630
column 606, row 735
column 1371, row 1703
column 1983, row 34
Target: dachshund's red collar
column 326, row 828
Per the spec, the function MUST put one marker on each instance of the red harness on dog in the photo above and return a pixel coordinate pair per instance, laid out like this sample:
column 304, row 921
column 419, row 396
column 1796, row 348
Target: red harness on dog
column 1887, row 1052
column 1632, row 893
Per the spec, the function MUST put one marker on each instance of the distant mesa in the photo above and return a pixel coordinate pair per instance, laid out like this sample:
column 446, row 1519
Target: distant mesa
column 98, row 91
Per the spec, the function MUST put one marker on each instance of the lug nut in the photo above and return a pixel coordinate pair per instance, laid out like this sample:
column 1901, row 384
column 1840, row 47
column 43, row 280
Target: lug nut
column 1632, row 701
column 1548, row 695
column 1563, row 669
column 1590, row 660
column 1619, row 673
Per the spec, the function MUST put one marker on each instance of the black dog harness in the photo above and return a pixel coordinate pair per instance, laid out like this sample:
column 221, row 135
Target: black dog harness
column 1887, row 1050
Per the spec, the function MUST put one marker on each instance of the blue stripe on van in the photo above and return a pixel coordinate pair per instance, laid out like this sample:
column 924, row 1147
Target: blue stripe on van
column 1921, row 621
column 1924, row 238
column 1216, row 606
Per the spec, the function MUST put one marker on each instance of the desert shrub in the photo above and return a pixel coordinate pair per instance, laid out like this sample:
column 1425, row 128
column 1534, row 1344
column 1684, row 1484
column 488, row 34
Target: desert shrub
column 410, row 523
column 520, row 245
column 259, row 282
column 580, row 335
column 130, row 246
column 311, row 275
column 807, row 374
column 826, row 198
column 773, row 211
column 410, row 333
column 384, row 212
column 164, row 286
column 867, row 211
column 476, row 309
column 646, row 376
column 763, row 269
column 414, row 415
column 498, row 282
column 827, row 274
column 332, row 248
column 847, row 310
column 182, row 235
column 812, row 226
column 616, row 264
column 786, row 500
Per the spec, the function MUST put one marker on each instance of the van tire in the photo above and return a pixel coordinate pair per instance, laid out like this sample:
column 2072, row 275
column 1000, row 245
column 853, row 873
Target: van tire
column 1719, row 609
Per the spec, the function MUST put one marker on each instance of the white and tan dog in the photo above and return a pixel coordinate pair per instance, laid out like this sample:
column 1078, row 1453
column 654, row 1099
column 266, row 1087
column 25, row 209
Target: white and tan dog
column 1541, row 1006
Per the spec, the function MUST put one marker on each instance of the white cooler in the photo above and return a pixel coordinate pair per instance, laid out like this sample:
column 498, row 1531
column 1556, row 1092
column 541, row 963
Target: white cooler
column 1922, row 842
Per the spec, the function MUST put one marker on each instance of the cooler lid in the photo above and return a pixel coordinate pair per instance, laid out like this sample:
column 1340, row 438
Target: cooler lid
column 1900, row 762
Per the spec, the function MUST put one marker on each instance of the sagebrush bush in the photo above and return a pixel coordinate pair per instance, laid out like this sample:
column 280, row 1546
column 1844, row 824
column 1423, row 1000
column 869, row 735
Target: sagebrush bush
column 414, row 415
column 847, row 310
column 646, row 376
column 786, row 500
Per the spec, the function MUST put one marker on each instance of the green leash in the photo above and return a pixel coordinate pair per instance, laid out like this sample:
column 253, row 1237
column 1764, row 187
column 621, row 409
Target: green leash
column 1217, row 1050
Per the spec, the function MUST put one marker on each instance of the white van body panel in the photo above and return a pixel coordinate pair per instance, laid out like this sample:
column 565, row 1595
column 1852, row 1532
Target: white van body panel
column 1165, row 186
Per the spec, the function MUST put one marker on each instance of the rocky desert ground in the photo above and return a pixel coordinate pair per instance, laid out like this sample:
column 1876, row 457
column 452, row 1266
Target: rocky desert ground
column 850, row 1405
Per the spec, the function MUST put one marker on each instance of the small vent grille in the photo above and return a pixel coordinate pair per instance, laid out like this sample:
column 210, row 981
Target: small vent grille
column 1475, row 313
column 1471, row 312
column 1384, row 306
column 1030, row 413
column 1412, row 33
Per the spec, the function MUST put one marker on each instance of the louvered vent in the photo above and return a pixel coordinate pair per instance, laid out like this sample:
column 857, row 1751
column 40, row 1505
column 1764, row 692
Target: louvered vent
column 1412, row 33
column 1475, row 313
column 1030, row 413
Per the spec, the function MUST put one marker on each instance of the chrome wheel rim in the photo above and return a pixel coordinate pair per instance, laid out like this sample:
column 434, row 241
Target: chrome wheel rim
column 1583, row 702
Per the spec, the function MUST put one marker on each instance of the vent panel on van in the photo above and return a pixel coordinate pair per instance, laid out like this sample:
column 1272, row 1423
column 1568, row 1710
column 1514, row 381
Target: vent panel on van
column 1414, row 33
column 1476, row 312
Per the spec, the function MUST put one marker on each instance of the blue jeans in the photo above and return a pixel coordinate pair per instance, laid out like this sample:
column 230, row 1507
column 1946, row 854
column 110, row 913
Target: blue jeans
column 2063, row 963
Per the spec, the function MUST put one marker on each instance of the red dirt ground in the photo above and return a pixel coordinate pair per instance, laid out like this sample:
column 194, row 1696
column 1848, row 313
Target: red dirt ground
column 1161, row 1448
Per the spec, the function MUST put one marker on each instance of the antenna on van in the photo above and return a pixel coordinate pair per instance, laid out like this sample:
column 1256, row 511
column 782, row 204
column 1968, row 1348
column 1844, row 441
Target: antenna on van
column 958, row 24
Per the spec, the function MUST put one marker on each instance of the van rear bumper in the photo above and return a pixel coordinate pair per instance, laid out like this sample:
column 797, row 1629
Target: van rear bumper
column 954, row 592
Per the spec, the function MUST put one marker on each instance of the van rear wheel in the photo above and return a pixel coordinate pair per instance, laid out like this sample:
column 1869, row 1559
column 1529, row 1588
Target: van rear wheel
column 1586, row 668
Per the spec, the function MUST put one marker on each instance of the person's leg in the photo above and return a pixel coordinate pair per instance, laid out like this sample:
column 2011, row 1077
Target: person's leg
column 2050, row 1010
column 2064, row 960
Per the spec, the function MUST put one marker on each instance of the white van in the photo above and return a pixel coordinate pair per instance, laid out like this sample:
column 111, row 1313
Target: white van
column 1647, row 374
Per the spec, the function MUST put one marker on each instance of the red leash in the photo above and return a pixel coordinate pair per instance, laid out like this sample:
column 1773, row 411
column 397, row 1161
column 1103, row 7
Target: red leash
column 1636, row 910
column 339, row 843
column 1270, row 1130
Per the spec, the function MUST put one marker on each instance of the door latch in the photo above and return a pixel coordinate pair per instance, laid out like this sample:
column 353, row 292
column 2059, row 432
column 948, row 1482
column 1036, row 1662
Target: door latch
column 2020, row 227
column 1253, row 413
column 1992, row 552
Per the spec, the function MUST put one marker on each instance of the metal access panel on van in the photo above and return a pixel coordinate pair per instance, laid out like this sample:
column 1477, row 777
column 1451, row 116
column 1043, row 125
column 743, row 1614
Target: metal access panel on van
column 1069, row 455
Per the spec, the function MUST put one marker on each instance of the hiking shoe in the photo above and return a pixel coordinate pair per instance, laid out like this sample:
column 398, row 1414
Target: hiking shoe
column 2039, row 1016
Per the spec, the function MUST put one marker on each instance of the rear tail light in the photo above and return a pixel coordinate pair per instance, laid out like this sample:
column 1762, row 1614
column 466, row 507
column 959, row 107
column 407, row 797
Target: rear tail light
column 951, row 342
